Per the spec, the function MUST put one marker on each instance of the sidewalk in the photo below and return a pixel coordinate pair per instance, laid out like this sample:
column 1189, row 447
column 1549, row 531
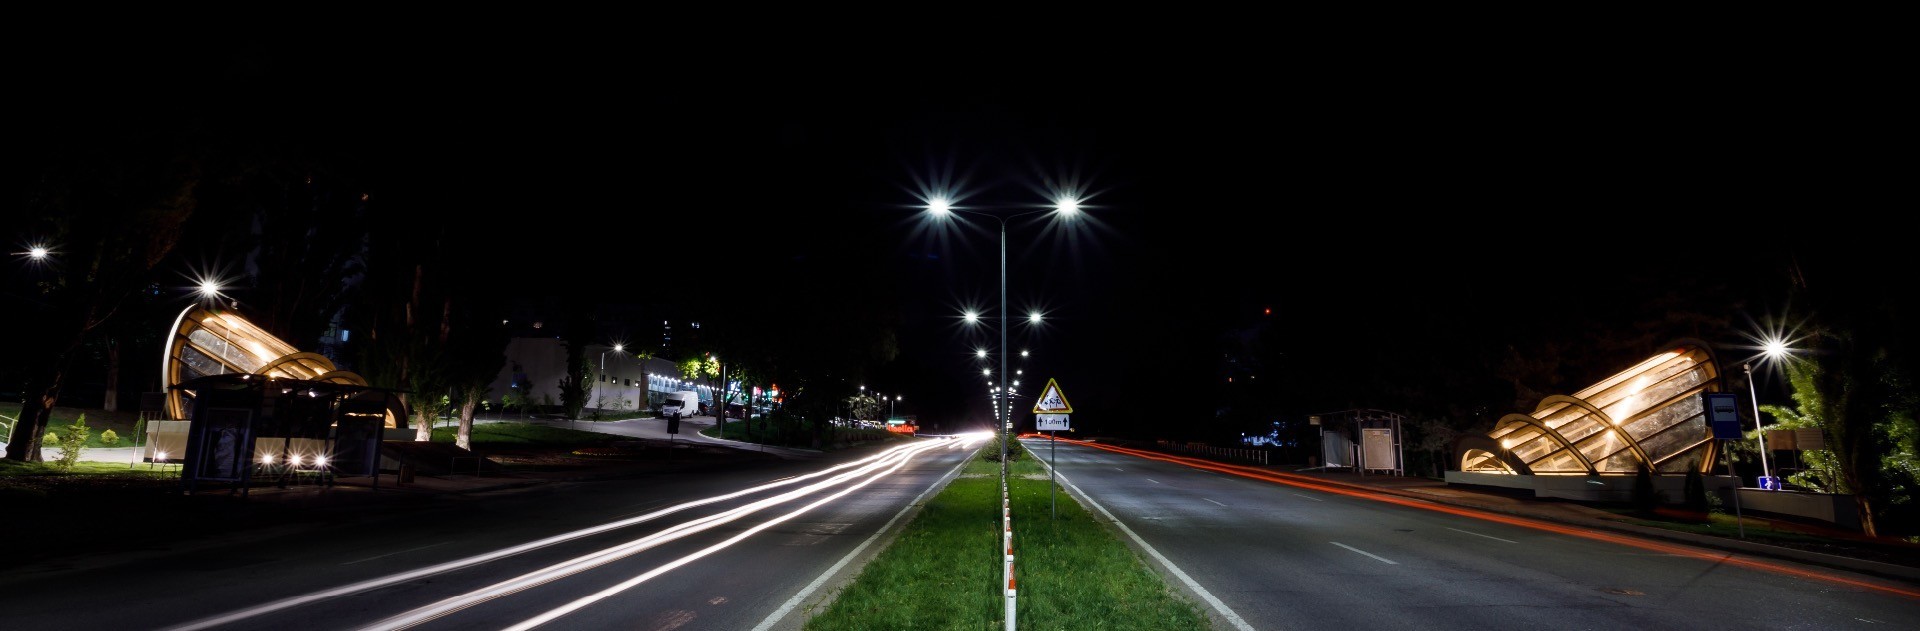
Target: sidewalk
column 1577, row 514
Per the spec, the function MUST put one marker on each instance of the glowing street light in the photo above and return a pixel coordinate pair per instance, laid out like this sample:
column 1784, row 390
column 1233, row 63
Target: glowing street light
column 1033, row 318
column 38, row 253
column 971, row 317
column 1025, row 354
column 1066, row 204
column 981, row 353
column 1772, row 348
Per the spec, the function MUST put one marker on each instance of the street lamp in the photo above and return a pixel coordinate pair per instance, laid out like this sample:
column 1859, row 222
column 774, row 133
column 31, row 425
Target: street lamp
column 1772, row 348
column 1065, row 205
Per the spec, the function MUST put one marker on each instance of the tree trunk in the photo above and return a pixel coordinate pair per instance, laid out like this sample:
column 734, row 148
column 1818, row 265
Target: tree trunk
column 36, row 408
column 111, row 402
column 462, row 438
column 423, row 419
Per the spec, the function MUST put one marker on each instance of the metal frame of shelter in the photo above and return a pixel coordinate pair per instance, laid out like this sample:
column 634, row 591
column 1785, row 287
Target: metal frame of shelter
column 1647, row 415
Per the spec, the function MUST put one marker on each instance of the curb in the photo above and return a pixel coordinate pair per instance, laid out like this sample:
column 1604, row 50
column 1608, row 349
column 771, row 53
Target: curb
column 1864, row 566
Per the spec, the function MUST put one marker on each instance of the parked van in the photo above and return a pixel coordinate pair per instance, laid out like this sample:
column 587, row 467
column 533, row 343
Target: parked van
column 684, row 403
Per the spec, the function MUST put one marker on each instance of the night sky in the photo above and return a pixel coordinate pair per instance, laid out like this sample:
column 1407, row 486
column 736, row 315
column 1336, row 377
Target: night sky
column 1402, row 220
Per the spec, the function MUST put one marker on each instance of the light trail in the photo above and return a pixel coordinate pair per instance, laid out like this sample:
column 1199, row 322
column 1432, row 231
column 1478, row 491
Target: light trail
column 897, row 457
column 391, row 579
column 576, row 605
column 1677, row 550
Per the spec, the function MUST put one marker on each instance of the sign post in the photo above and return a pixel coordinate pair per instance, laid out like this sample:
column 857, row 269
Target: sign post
column 1052, row 410
column 1723, row 418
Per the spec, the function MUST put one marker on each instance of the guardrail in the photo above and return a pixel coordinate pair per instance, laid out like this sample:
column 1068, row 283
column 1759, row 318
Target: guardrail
column 1250, row 455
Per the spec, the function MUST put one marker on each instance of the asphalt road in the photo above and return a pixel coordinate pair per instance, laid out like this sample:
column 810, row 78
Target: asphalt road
column 379, row 570
column 1282, row 557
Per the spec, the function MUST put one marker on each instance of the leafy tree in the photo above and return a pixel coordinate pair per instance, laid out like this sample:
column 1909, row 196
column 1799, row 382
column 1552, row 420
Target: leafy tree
column 476, row 351
column 111, row 204
column 71, row 441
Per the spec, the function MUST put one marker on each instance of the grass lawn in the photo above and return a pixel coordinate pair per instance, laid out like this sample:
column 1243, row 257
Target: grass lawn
column 11, row 468
column 121, row 422
column 525, row 435
column 944, row 571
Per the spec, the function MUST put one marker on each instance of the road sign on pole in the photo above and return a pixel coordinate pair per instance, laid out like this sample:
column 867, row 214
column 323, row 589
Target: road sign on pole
column 1052, row 401
column 1051, row 422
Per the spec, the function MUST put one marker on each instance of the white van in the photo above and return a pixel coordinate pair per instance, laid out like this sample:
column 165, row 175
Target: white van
column 685, row 403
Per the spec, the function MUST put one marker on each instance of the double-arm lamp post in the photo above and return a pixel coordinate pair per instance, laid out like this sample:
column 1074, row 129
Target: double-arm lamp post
column 941, row 208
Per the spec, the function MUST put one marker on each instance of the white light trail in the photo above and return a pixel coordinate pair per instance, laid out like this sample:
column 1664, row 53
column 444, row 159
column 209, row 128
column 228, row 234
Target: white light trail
column 637, row 580
column 896, row 457
column 391, row 579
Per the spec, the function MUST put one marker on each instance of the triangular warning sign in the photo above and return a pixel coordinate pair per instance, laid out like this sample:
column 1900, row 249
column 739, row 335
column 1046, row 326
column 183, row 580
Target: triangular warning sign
column 1052, row 401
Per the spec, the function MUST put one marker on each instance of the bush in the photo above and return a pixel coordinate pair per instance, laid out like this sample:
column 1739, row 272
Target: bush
column 109, row 438
column 1696, row 491
column 70, row 441
column 1644, row 497
column 991, row 451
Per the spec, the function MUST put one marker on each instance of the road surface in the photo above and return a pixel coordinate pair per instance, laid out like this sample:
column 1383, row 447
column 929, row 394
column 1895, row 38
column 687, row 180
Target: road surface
column 720, row 550
column 1283, row 557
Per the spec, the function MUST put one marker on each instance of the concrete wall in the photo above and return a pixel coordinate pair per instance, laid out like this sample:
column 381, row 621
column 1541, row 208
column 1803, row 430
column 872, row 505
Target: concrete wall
column 1825, row 507
column 543, row 361
column 1588, row 488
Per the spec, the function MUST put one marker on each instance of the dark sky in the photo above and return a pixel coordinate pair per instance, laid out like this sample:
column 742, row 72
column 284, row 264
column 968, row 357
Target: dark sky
column 1387, row 208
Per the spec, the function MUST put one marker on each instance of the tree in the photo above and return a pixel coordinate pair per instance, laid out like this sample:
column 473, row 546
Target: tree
column 476, row 351
column 111, row 208
column 573, row 386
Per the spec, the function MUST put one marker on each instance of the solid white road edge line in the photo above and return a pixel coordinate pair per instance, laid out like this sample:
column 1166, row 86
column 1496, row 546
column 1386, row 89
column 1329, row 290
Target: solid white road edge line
column 1481, row 535
column 1311, row 497
column 791, row 603
column 1369, row 554
column 1221, row 607
column 1213, row 502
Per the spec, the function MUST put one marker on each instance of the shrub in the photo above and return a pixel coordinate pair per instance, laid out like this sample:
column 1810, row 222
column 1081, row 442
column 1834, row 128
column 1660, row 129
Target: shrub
column 109, row 438
column 70, row 441
column 1644, row 497
column 1696, row 490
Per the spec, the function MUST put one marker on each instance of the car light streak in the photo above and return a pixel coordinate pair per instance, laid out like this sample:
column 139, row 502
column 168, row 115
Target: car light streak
column 1625, row 540
column 391, row 579
column 635, row 581
column 896, row 458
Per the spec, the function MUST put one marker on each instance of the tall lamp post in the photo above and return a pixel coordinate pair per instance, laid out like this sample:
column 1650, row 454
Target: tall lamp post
column 941, row 207
column 1772, row 349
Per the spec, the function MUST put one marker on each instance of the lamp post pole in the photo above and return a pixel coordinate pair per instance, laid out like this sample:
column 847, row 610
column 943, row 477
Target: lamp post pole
column 1766, row 474
column 1006, row 418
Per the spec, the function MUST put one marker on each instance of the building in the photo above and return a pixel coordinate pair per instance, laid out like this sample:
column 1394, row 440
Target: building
column 1588, row 445
column 621, row 381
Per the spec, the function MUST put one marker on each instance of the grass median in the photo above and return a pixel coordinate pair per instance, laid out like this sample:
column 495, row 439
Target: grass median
column 944, row 571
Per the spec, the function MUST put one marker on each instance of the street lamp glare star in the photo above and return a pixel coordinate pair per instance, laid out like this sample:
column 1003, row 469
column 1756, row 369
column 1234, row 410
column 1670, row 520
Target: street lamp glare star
column 986, row 371
column 37, row 253
column 1066, row 205
column 971, row 317
column 209, row 288
column 1034, row 317
column 1025, row 354
column 1774, row 348
column 619, row 347
column 939, row 206
column 981, row 353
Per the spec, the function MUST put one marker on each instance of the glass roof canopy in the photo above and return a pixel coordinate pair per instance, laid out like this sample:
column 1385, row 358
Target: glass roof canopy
column 210, row 341
column 1648, row 414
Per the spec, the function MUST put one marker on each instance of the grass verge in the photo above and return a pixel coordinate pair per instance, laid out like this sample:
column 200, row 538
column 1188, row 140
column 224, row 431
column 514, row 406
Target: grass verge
column 524, row 435
column 944, row 571
column 98, row 421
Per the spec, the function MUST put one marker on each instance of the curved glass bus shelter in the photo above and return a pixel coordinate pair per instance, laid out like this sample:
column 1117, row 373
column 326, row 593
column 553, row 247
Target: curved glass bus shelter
column 1648, row 414
column 211, row 341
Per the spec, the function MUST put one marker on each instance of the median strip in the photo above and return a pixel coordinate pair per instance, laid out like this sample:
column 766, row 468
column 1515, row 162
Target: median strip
column 945, row 571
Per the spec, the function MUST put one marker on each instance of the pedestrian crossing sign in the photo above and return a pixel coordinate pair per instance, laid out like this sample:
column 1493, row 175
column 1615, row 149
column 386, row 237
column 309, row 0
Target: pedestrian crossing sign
column 1052, row 401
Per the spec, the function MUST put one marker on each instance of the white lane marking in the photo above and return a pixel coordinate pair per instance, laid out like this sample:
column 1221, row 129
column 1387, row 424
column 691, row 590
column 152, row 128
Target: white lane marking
column 1213, row 502
column 1370, row 554
column 382, row 556
column 1221, row 607
column 1481, row 535
column 1311, row 497
column 1118, row 469
column 787, row 608
column 1153, row 480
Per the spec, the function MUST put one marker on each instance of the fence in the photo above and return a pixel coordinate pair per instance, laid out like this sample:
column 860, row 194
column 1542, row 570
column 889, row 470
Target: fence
column 1236, row 453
